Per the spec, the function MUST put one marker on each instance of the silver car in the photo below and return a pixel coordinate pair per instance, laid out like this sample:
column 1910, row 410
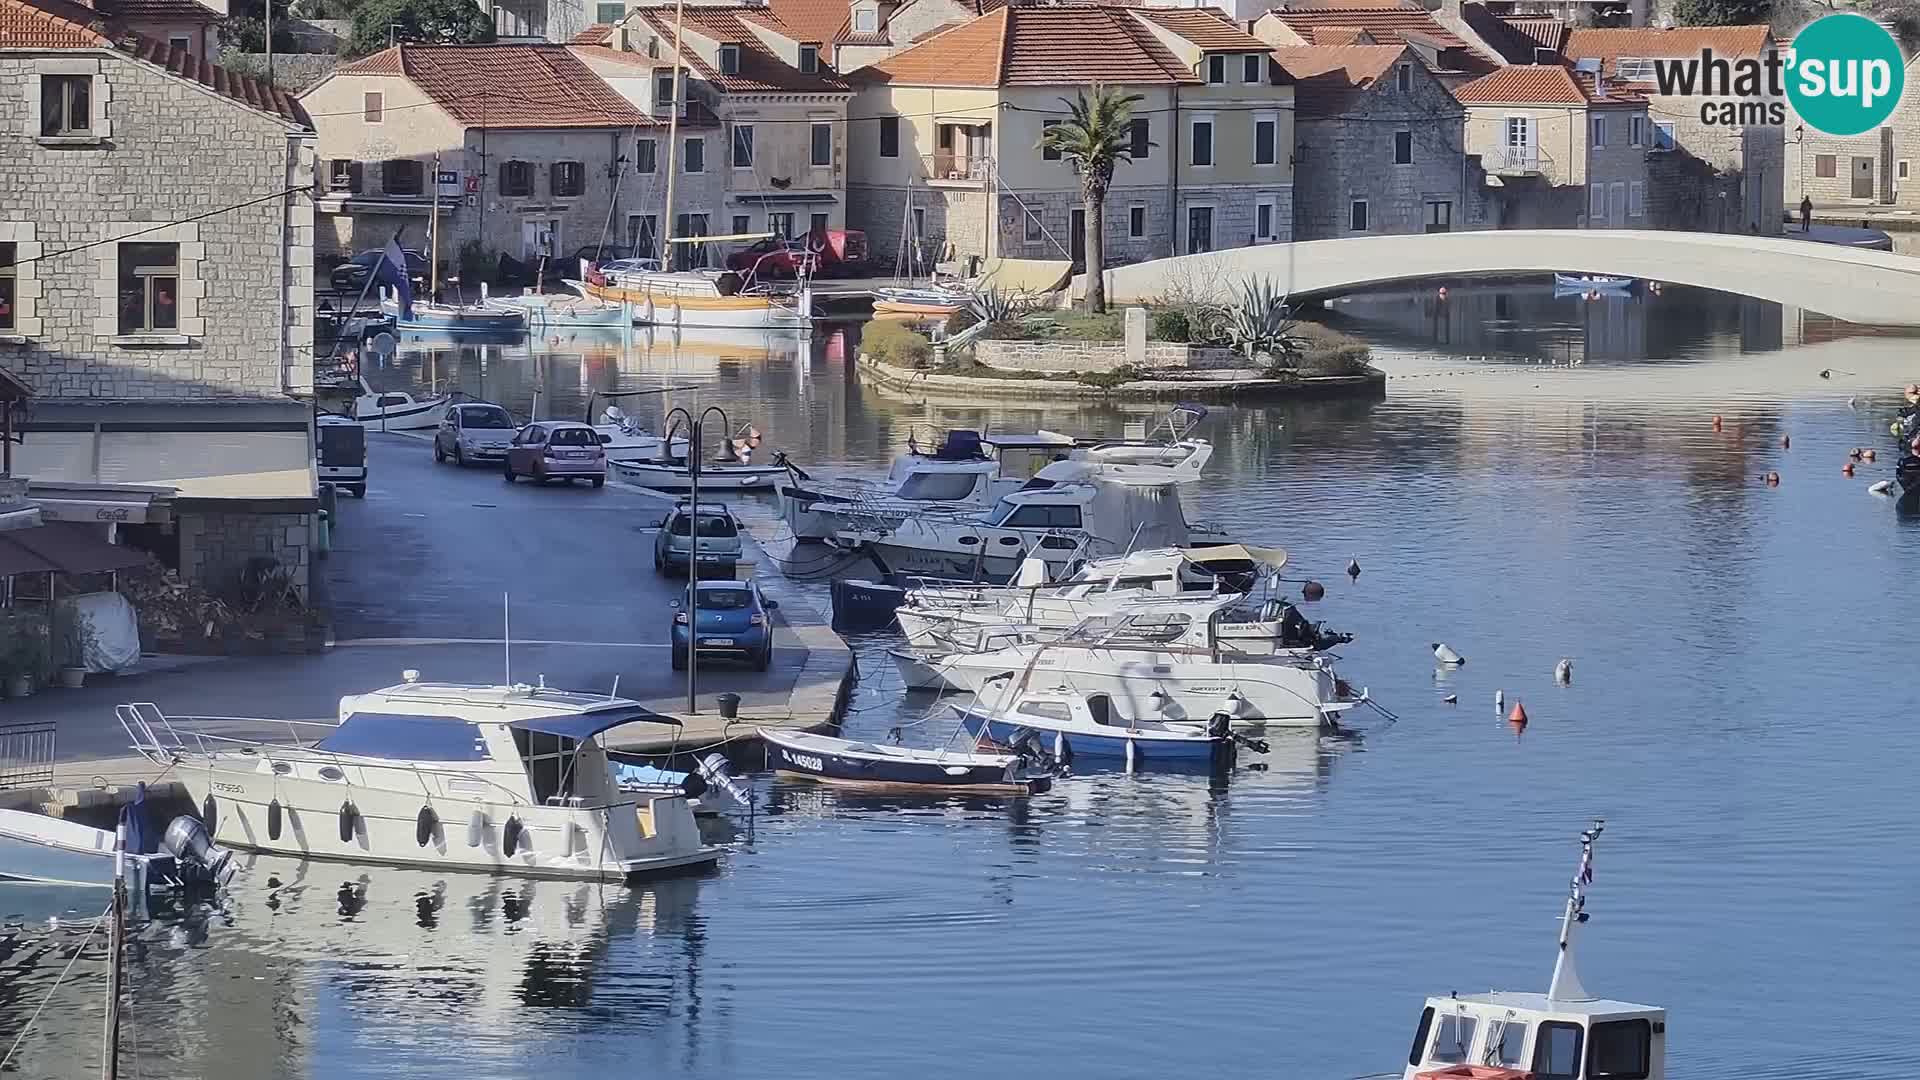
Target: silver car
column 479, row 431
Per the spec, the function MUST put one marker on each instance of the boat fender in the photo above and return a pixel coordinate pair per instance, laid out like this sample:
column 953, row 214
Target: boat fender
column 274, row 812
column 349, row 821
column 1132, row 757
column 210, row 814
column 477, row 829
column 425, row 826
column 510, row 836
column 1060, row 745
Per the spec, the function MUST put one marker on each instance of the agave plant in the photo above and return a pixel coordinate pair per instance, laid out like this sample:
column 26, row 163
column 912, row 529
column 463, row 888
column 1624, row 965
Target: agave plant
column 990, row 305
column 1260, row 321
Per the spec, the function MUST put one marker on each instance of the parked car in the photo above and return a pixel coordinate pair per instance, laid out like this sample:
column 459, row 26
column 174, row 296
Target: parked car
column 557, row 450
column 735, row 621
column 476, row 431
column 841, row 253
column 340, row 452
column 591, row 254
column 719, row 538
column 351, row 276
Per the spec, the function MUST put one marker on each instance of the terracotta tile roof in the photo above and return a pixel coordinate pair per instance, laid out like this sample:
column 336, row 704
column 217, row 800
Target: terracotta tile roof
column 1388, row 26
column 506, row 86
column 58, row 24
column 1608, row 46
column 1023, row 46
column 1328, row 77
column 1523, row 84
column 1211, row 29
column 761, row 70
column 816, row 21
column 1539, row 33
column 170, row 11
column 1352, row 5
column 1615, row 93
column 1340, row 35
column 845, row 35
column 597, row 34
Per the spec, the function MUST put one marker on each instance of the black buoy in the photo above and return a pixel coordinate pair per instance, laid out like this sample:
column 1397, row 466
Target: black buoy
column 426, row 826
column 349, row 819
column 210, row 814
column 1312, row 590
column 1353, row 568
column 510, row 837
column 273, row 820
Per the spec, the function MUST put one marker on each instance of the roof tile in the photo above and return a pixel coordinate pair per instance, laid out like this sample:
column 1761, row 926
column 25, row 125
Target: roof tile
column 50, row 26
column 1523, row 84
column 1210, row 29
column 1388, row 26
column 816, row 21
column 1328, row 77
column 506, row 86
column 760, row 69
column 1031, row 46
column 1609, row 45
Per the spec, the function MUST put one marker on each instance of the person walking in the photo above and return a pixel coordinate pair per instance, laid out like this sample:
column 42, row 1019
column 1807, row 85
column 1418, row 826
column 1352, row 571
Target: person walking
column 1806, row 213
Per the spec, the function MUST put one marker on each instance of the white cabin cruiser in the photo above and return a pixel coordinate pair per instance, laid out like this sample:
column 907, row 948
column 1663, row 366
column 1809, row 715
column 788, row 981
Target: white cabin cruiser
column 397, row 410
column 968, row 471
column 625, row 439
column 501, row 779
column 1563, row 1034
column 1172, row 658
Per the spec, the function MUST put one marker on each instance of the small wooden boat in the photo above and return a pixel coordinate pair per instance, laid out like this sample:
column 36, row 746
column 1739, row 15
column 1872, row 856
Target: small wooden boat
column 906, row 302
column 397, row 410
column 706, row 298
column 564, row 310
column 673, row 475
column 486, row 317
column 861, row 764
column 35, row 847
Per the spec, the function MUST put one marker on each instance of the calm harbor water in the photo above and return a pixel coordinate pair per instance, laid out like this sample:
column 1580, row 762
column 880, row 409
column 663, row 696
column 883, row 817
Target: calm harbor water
column 1541, row 481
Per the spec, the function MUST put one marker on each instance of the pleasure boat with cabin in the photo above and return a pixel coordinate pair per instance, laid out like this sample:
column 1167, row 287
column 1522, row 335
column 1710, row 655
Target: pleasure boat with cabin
column 967, row 471
column 397, row 410
column 622, row 436
column 1072, row 726
column 1563, row 1034
column 500, row 779
column 1170, row 658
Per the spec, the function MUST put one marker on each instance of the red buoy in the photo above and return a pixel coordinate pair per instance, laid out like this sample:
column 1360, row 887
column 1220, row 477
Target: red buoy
column 1716, row 422
column 1518, row 717
column 1847, row 469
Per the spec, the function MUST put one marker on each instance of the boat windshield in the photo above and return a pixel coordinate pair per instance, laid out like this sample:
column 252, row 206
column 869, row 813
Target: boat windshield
column 1156, row 628
column 937, row 486
column 484, row 416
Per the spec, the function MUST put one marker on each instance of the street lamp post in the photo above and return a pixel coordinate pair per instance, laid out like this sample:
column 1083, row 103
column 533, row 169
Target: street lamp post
column 694, row 425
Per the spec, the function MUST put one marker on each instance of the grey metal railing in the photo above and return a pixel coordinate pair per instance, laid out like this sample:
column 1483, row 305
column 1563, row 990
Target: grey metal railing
column 26, row 754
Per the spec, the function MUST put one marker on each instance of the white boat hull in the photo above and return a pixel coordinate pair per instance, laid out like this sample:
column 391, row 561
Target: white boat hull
column 929, row 627
column 1270, row 695
column 414, row 416
column 555, row 841
column 712, row 477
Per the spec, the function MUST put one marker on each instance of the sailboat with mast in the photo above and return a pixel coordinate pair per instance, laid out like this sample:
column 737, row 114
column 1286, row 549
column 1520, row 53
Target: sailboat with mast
column 697, row 297
column 909, row 297
column 485, row 317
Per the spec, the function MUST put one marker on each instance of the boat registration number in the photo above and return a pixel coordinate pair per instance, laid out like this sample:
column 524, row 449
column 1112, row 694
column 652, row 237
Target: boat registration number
column 804, row 761
column 716, row 641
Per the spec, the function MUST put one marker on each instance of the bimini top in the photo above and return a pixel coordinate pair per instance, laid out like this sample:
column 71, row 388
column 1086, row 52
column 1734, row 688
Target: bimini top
column 529, row 708
column 422, row 737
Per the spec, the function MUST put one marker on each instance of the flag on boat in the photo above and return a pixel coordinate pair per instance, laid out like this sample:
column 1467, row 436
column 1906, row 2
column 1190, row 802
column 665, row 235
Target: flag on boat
column 391, row 271
column 1585, row 876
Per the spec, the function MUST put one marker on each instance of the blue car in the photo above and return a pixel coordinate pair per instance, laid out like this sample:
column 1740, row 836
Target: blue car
column 736, row 622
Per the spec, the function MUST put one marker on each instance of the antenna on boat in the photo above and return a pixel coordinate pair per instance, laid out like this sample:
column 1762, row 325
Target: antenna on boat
column 1566, row 981
column 506, row 638
column 615, row 692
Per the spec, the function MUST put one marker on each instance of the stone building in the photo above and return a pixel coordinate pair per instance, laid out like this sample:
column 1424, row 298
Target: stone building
column 1875, row 168
column 946, row 153
column 1702, row 174
column 1563, row 149
column 156, row 254
column 1378, row 22
column 1380, row 145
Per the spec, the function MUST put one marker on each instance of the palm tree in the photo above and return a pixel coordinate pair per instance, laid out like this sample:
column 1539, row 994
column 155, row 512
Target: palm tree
column 1096, row 136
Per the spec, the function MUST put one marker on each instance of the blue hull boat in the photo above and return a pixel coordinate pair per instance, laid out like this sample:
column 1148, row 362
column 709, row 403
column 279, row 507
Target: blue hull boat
column 1149, row 747
column 35, row 847
column 482, row 318
column 843, row 761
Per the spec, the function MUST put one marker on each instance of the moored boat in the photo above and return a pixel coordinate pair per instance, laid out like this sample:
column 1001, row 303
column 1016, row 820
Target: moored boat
column 674, row 475
column 872, row 765
column 1075, row 727
column 497, row 779
column 701, row 298
column 485, row 317
column 397, row 410
column 1592, row 282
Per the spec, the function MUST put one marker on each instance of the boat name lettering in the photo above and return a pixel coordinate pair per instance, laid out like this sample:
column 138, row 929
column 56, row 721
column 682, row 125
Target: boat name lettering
column 805, row 761
column 117, row 513
column 231, row 789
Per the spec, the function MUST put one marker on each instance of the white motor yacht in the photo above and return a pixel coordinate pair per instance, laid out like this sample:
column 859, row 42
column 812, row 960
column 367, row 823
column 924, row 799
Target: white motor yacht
column 967, row 472
column 1170, row 658
column 1565, row 1033
column 502, row 779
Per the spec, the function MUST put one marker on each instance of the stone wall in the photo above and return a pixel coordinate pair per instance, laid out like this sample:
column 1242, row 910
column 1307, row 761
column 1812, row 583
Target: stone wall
column 215, row 547
column 166, row 149
column 1098, row 356
column 293, row 72
column 956, row 220
column 1351, row 157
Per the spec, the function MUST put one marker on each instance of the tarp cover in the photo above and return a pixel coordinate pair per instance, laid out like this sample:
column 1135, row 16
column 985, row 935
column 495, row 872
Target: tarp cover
column 402, row 737
column 115, row 643
column 588, row 724
column 1274, row 557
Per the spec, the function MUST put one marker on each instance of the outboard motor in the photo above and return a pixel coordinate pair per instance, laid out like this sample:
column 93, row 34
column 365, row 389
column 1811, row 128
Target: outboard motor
column 713, row 770
column 187, row 841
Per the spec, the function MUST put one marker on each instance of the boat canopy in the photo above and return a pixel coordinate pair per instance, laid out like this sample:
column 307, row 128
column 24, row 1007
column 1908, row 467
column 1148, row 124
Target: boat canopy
column 1236, row 553
column 407, row 737
column 586, row 725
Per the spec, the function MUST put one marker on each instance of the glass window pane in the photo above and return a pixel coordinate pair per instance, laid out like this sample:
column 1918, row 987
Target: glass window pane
column 1556, row 1051
column 150, row 256
column 165, row 292
column 1454, row 1039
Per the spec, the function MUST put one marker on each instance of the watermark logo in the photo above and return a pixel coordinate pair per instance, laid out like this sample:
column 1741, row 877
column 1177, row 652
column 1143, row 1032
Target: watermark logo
column 1846, row 74
column 1843, row 75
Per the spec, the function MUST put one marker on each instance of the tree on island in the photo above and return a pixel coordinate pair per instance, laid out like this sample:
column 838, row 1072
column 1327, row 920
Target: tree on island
column 1096, row 136
column 378, row 23
column 1722, row 12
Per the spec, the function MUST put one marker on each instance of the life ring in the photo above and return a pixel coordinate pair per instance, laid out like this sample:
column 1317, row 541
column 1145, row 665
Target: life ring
column 349, row 820
column 273, row 820
column 425, row 826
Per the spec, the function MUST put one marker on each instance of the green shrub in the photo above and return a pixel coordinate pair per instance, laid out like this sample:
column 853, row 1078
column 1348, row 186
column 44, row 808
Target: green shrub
column 1125, row 373
column 892, row 343
column 1170, row 324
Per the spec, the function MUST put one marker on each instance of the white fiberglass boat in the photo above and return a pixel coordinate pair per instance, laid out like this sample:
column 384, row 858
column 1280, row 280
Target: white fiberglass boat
column 1171, row 658
column 1563, row 1034
column 1074, row 727
column 501, row 779
column 622, row 436
column 397, row 410
column 968, row 472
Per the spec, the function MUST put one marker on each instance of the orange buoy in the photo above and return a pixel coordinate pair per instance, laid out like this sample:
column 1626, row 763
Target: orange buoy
column 1866, row 455
column 1847, row 469
column 1773, row 479
column 1716, row 422
column 1518, row 717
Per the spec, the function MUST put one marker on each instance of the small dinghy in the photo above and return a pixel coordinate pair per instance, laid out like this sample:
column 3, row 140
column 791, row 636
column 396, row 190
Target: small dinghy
column 35, row 847
column 673, row 475
column 862, row 764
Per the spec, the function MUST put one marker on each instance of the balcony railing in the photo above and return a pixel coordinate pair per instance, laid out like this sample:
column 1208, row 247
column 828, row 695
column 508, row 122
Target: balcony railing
column 959, row 165
column 1519, row 161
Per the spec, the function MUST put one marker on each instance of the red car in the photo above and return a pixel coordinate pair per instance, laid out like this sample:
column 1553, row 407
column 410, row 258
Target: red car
column 840, row 253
